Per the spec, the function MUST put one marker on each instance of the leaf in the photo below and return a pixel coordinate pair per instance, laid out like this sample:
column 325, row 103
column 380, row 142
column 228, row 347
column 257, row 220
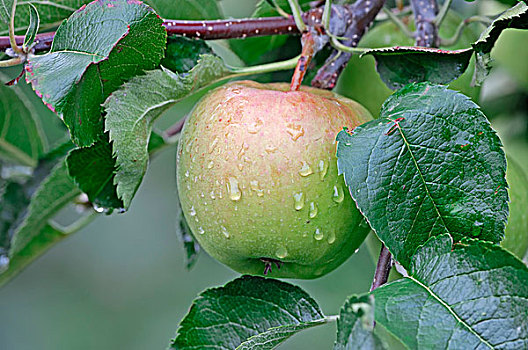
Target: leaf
column 6, row 6
column 16, row 204
column 93, row 170
column 132, row 110
column 33, row 27
column 430, row 165
column 515, row 17
column 51, row 13
column 182, row 53
column 53, row 193
column 98, row 48
column 265, row 9
column 274, row 336
column 261, row 49
column 227, row 317
column 399, row 66
column 46, row 238
column 472, row 295
column 355, row 325
column 187, row 9
column 21, row 138
column 190, row 245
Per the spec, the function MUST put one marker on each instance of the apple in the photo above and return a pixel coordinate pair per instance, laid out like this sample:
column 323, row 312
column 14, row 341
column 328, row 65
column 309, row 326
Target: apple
column 258, row 183
column 516, row 235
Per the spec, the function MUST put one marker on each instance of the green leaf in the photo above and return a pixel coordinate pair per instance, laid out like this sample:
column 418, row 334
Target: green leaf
column 17, row 210
column 33, row 27
column 471, row 295
column 93, row 170
column 51, row 13
column 21, row 138
column 260, row 49
column 190, row 245
column 355, row 325
column 228, row 317
column 98, row 48
column 187, row 9
column 265, row 9
column 276, row 335
column 399, row 66
column 515, row 17
column 55, row 191
column 182, row 53
column 6, row 6
column 431, row 164
column 132, row 110
column 46, row 238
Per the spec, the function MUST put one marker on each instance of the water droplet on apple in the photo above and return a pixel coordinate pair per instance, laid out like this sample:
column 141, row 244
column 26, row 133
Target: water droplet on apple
column 313, row 210
column 232, row 188
column 255, row 126
column 318, row 235
column 224, row 232
column 298, row 199
column 212, row 194
column 201, row 230
column 4, row 263
column 281, row 252
column 322, row 166
column 338, row 194
column 270, row 148
column 187, row 173
column 192, row 211
column 305, row 169
column 331, row 237
column 213, row 145
column 294, row 130
column 210, row 165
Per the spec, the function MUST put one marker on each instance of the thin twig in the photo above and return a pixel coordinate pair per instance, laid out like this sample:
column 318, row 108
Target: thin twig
column 460, row 29
column 398, row 22
column 425, row 12
column 363, row 13
column 382, row 269
column 443, row 12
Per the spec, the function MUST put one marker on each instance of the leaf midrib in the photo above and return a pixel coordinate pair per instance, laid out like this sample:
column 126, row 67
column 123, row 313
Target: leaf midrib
column 451, row 311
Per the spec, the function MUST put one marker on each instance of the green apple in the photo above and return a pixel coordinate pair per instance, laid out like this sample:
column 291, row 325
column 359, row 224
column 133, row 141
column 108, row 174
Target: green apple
column 516, row 235
column 258, row 183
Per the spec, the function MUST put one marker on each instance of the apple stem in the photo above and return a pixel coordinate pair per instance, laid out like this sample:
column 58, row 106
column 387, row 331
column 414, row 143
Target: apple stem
column 382, row 268
column 307, row 53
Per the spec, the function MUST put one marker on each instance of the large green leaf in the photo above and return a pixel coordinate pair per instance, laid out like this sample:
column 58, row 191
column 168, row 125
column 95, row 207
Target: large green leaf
column 355, row 326
column 182, row 53
column 21, row 137
column 98, row 48
column 399, row 66
column 51, row 12
column 247, row 313
column 470, row 295
column 187, row 9
column 515, row 17
column 132, row 110
column 430, row 165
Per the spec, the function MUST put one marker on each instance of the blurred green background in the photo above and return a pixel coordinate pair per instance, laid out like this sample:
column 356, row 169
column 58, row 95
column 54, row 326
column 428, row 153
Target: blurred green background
column 121, row 283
